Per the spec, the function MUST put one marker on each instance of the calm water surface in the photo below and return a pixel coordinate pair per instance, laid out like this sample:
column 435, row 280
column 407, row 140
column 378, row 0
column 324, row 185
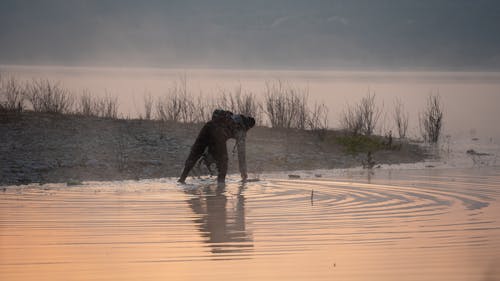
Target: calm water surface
column 441, row 224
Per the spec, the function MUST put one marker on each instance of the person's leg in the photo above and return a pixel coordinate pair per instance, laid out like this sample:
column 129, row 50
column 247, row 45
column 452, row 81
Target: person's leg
column 196, row 151
column 219, row 152
column 208, row 160
column 194, row 155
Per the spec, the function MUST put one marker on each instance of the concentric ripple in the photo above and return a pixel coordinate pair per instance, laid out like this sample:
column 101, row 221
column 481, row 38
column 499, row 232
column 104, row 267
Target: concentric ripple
column 348, row 212
column 150, row 223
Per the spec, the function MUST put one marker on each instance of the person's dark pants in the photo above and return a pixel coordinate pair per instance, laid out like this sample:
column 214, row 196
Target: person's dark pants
column 214, row 137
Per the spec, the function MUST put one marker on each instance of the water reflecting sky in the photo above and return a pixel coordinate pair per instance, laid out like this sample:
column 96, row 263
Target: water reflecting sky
column 434, row 224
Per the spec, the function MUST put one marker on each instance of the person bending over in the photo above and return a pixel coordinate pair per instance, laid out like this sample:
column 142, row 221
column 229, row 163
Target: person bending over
column 214, row 135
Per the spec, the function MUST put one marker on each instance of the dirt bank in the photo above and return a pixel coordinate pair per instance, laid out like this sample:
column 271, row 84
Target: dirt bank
column 42, row 148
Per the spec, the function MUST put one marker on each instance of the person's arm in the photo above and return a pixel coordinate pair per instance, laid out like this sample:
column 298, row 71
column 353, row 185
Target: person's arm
column 241, row 146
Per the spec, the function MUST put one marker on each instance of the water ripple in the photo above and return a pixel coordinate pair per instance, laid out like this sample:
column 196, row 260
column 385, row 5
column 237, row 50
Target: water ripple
column 162, row 222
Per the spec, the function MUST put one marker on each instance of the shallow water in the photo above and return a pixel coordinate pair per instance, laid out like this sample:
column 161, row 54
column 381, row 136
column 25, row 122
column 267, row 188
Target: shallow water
column 441, row 224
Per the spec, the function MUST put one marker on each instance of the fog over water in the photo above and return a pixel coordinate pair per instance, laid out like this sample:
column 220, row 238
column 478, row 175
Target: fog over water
column 316, row 34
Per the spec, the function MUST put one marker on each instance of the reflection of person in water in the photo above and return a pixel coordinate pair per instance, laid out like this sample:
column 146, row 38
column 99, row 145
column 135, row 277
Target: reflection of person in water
column 222, row 219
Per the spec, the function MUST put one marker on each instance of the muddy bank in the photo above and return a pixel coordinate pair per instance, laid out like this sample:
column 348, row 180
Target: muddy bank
column 43, row 148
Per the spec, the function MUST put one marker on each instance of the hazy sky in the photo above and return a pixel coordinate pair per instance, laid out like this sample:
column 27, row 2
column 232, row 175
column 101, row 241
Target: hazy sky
column 399, row 34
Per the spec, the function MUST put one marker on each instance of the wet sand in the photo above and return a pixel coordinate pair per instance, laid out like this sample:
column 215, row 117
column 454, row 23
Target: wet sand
column 435, row 224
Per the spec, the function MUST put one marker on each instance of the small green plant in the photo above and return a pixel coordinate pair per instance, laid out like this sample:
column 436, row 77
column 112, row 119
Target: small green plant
column 355, row 144
column 72, row 182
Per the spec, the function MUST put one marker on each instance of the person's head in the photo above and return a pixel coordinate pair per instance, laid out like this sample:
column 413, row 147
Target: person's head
column 249, row 122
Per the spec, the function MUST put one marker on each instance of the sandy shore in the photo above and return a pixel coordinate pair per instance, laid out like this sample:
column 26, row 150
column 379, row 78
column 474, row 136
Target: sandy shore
column 53, row 148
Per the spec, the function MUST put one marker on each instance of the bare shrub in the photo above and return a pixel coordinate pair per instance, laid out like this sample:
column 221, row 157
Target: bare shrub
column 105, row 107
column 240, row 102
column 148, row 105
column 203, row 108
column 351, row 120
column 226, row 100
column 286, row 106
column 86, row 105
column 11, row 95
column 361, row 118
column 318, row 120
column 431, row 119
column 318, row 117
column 370, row 114
column 178, row 105
column 250, row 106
column 401, row 118
column 49, row 97
column 108, row 107
column 172, row 107
column 161, row 109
